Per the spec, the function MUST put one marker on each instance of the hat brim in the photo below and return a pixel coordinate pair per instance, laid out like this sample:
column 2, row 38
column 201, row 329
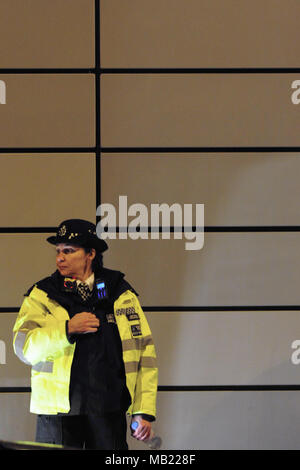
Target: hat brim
column 52, row 240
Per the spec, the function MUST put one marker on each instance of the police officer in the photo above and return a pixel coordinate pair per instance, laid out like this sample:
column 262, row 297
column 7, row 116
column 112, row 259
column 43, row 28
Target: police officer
column 90, row 348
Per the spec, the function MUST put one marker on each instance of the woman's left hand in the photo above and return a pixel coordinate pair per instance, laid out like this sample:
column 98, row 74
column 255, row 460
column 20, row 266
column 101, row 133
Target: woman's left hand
column 142, row 433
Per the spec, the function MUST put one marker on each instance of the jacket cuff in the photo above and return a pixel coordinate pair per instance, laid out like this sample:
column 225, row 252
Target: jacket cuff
column 146, row 417
column 70, row 338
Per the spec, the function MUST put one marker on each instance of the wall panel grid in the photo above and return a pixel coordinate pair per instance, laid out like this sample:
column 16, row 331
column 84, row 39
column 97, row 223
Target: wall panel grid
column 164, row 103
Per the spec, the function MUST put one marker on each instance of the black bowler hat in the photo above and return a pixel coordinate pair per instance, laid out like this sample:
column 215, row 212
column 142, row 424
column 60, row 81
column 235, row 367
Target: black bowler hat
column 78, row 232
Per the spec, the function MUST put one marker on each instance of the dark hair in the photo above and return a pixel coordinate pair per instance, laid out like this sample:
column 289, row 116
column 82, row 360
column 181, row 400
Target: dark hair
column 97, row 261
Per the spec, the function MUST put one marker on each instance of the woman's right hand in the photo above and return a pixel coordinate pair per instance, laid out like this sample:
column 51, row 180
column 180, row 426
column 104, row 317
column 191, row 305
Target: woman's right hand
column 84, row 322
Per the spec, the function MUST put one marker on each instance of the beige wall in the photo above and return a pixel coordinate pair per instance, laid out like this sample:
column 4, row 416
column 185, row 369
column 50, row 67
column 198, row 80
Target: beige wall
column 205, row 33
column 215, row 125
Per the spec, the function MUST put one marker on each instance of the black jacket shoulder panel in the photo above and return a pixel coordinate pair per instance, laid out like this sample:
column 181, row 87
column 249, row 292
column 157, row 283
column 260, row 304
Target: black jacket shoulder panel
column 29, row 291
column 42, row 284
column 50, row 285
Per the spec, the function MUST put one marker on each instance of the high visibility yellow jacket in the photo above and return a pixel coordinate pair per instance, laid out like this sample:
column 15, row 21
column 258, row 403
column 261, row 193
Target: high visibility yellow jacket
column 40, row 340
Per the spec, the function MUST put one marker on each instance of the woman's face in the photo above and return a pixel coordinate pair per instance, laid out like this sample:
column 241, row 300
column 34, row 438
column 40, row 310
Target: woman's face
column 73, row 261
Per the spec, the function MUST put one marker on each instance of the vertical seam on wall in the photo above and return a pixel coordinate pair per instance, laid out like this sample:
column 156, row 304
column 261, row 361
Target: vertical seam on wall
column 97, row 104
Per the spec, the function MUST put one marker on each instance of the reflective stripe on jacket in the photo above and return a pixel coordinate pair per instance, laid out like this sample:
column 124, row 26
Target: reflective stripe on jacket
column 40, row 340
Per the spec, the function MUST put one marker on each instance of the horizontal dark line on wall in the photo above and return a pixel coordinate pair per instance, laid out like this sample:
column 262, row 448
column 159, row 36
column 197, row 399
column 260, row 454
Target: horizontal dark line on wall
column 259, row 228
column 193, row 388
column 211, row 229
column 266, row 228
column 195, row 308
column 9, row 309
column 49, row 70
column 230, row 388
column 234, row 228
column 220, row 308
column 267, row 149
column 28, row 229
column 149, row 70
column 47, row 149
column 15, row 389
column 195, row 70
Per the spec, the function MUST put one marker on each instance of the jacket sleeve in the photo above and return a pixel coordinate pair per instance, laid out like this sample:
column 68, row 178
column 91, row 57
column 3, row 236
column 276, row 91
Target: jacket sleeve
column 38, row 335
column 147, row 375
